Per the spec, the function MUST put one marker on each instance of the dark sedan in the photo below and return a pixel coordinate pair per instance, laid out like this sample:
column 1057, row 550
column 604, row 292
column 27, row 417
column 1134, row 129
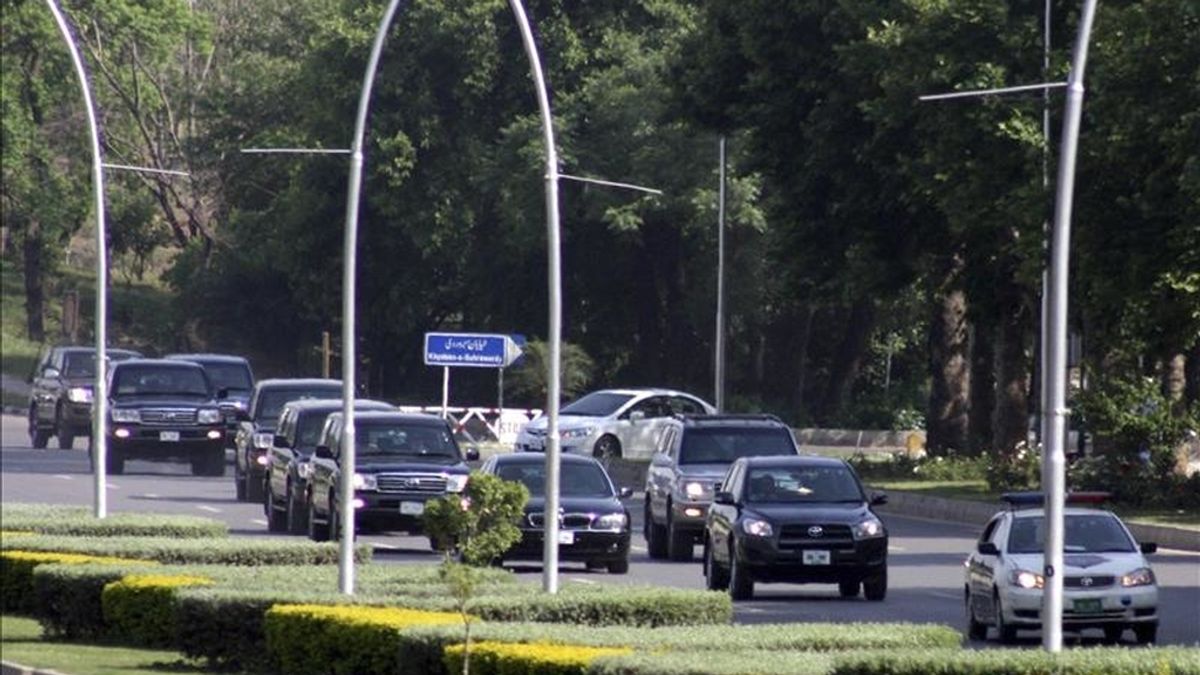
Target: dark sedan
column 795, row 520
column 593, row 523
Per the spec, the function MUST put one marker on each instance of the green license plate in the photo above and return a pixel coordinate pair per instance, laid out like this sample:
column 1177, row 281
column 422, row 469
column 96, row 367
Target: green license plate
column 1088, row 606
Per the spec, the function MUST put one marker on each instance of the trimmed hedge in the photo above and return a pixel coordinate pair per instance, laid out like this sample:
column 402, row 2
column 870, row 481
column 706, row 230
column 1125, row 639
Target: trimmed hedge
column 714, row 662
column 173, row 551
column 1090, row 661
column 16, row 575
column 316, row 639
column 140, row 608
column 537, row 658
column 57, row 519
column 607, row 606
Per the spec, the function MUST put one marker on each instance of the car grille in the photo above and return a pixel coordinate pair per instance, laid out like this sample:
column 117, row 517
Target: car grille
column 806, row 534
column 410, row 483
column 168, row 416
column 570, row 521
column 1088, row 581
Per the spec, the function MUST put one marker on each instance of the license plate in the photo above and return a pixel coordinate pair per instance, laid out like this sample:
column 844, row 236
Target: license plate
column 566, row 537
column 815, row 558
column 1087, row 606
column 168, row 436
column 412, row 508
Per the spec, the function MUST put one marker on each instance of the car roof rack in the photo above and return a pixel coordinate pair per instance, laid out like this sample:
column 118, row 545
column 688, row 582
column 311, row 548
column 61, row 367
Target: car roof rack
column 1033, row 500
column 729, row 417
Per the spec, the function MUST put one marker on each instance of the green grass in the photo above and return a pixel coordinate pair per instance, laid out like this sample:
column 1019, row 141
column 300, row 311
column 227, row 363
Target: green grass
column 977, row 490
column 21, row 642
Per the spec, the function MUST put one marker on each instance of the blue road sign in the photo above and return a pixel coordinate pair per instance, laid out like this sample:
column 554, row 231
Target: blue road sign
column 474, row 350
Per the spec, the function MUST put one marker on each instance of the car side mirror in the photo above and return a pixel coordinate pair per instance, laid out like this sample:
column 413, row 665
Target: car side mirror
column 1149, row 547
column 624, row 493
column 878, row 498
column 987, row 548
column 472, row 454
column 323, row 452
column 637, row 416
column 50, row 372
column 280, row 441
column 723, row 497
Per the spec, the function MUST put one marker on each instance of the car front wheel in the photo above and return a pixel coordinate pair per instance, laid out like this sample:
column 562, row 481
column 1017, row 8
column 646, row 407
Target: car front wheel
column 875, row 588
column 656, row 536
column 1004, row 632
column 741, row 586
column 1145, row 633
column 316, row 531
column 976, row 630
column 715, row 579
column 38, row 438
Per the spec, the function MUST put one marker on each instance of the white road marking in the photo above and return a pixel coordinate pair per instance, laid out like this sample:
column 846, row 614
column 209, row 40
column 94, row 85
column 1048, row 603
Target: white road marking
column 63, row 476
column 582, row 581
column 896, row 548
column 639, row 549
column 946, row 594
column 210, row 509
column 258, row 521
column 389, row 547
column 151, row 495
column 112, row 486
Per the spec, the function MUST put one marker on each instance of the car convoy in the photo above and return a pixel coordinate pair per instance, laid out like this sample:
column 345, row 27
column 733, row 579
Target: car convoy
column 738, row 485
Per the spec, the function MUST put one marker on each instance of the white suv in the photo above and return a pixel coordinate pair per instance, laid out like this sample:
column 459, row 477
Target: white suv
column 613, row 423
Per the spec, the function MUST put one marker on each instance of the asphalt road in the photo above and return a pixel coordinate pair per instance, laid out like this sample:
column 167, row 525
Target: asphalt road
column 926, row 557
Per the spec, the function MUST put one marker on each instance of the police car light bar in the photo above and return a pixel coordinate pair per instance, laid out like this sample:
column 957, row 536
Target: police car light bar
column 1027, row 500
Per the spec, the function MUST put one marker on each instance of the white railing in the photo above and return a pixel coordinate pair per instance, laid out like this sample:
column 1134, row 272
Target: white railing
column 482, row 425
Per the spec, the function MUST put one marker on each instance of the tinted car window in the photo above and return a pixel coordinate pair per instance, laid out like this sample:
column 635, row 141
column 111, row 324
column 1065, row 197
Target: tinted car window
column 229, row 376
column 1084, row 534
column 308, row 430
column 158, row 379
column 790, row 485
column 686, row 406
column 721, row 446
column 405, row 440
column 575, row 480
column 596, row 404
column 81, row 364
column 271, row 401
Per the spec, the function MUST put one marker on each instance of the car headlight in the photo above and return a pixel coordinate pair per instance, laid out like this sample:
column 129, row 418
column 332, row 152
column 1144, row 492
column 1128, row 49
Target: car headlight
column 611, row 521
column 1142, row 576
column 868, row 529
column 456, row 482
column 79, row 395
column 263, row 440
column 577, row 433
column 209, row 416
column 1026, row 579
column 303, row 470
column 694, row 489
column 365, row 481
column 126, row 416
column 757, row 528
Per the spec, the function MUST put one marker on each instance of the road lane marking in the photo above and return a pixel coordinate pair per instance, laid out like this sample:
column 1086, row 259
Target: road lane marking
column 639, row 549
column 151, row 495
column 896, row 548
column 63, row 476
column 258, row 521
column 389, row 547
column 582, row 581
column 210, row 509
column 946, row 594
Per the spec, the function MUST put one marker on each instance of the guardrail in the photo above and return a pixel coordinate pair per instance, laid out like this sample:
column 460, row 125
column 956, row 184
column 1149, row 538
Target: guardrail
column 482, row 425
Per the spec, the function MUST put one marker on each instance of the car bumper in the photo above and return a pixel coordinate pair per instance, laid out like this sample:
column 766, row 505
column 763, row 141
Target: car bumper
column 767, row 562
column 1121, row 606
column 584, row 545
column 78, row 418
column 391, row 512
column 689, row 515
column 150, row 443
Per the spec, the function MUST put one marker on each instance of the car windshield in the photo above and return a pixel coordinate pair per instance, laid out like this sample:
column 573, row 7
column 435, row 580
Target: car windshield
column 159, row 380
column 83, row 364
column 575, row 480
column 407, row 440
column 786, row 485
column 271, row 401
column 596, row 404
column 232, row 376
column 1084, row 533
column 723, row 446
column 308, row 429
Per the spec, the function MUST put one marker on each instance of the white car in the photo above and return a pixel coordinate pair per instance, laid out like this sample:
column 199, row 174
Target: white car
column 613, row 423
column 1107, row 583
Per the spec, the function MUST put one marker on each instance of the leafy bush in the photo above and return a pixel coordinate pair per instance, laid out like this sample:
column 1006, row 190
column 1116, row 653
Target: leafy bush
column 902, row 466
column 16, row 575
column 67, row 598
column 190, row 551
column 1021, row 470
column 56, row 519
column 349, row 639
column 480, row 524
column 1090, row 661
column 714, row 663
column 140, row 609
column 538, row 658
column 629, row 606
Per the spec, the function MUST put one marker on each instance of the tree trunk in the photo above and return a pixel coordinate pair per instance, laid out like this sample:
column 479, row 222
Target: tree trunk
column 848, row 361
column 1010, row 420
column 35, row 291
column 1174, row 382
column 949, row 367
column 983, row 387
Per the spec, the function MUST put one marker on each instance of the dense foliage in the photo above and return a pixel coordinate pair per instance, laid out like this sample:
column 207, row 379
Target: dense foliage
column 884, row 256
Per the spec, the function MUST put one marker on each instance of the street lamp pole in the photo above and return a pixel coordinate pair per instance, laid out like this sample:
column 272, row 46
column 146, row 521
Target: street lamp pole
column 719, row 357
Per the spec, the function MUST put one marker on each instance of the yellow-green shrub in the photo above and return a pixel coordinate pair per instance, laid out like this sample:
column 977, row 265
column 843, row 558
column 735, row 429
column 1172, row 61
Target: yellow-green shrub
column 16, row 574
column 537, row 658
column 341, row 639
column 140, row 608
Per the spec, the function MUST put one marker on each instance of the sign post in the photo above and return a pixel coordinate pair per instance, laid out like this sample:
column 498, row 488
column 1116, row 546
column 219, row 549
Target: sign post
column 470, row 350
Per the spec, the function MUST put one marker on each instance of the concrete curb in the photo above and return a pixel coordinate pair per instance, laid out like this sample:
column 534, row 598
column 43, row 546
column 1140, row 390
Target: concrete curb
column 10, row 668
column 978, row 513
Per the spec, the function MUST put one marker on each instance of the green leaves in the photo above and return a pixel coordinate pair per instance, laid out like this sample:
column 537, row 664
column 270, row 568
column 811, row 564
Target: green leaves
column 480, row 524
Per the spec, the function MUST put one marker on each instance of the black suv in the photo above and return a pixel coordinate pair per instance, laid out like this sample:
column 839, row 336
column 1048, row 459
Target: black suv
column 403, row 461
column 232, row 379
column 693, row 452
column 60, row 397
column 164, row 410
column 795, row 520
column 256, row 428
column 296, row 436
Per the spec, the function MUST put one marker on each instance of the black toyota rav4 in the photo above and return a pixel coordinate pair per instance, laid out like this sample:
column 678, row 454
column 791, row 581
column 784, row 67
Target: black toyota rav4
column 797, row 520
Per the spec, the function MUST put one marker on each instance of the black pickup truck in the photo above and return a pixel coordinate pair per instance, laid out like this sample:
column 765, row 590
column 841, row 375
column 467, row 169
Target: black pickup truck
column 403, row 460
column 165, row 411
